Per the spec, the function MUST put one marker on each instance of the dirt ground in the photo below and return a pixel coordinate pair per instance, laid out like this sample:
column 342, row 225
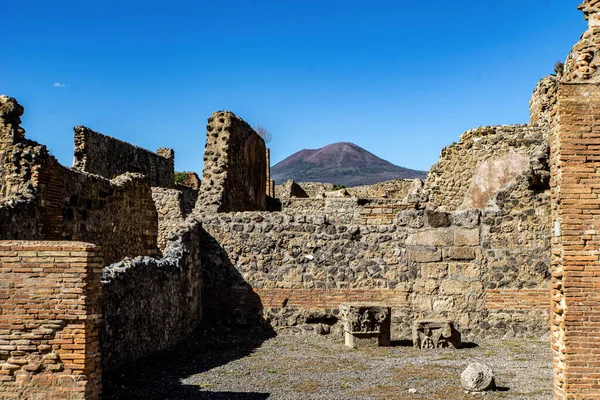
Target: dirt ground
column 257, row 365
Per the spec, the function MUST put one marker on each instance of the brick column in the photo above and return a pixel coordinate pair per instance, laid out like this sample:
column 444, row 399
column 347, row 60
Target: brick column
column 575, row 167
column 50, row 311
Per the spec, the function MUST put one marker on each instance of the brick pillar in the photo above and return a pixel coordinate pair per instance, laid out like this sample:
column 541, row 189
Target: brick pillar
column 575, row 168
column 50, row 312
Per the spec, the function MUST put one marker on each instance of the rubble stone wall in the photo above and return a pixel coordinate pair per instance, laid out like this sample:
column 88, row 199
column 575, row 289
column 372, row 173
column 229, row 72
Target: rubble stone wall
column 50, row 315
column 173, row 206
column 234, row 176
column 151, row 304
column 300, row 267
column 44, row 200
column 394, row 189
column 542, row 106
column 106, row 156
column 470, row 172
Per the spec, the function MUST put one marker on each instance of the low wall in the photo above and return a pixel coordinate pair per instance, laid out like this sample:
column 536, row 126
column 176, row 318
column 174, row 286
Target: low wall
column 108, row 157
column 50, row 312
column 151, row 304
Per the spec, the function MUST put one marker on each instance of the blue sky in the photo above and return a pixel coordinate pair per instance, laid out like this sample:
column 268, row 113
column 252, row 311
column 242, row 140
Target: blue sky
column 400, row 78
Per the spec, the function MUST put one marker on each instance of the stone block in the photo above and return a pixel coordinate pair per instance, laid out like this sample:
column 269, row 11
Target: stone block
column 466, row 237
column 366, row 324
column 434, row 270
column 424, row 255
column 435, row 334
column 433, row 237
column 438, row 219
column 467, row 218
column 459, row 253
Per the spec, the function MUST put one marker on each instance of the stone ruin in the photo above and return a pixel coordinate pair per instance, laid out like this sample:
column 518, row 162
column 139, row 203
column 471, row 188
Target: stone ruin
column 500, row 240
column 366, row 324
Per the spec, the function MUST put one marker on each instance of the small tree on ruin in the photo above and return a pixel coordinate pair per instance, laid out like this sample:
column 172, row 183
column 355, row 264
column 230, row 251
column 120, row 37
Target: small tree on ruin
column 263, row 132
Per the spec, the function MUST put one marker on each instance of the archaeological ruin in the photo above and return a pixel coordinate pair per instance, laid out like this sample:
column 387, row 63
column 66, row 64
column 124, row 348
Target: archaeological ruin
column 110, row 261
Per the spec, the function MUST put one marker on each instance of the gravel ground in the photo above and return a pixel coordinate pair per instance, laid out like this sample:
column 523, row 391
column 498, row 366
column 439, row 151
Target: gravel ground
column 255, row 365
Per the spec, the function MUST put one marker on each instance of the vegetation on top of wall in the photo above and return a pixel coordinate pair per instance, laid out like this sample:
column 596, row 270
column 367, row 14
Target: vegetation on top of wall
column 338, row 187
column 263, row 132
column 184, row 178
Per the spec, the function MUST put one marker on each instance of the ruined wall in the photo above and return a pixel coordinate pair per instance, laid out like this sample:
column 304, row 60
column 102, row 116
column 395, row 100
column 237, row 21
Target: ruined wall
column 118, row 214
column 394, row 189
column 313, row 189
column 103, row 155
column 151, row 304
column 49, row 320
column 234, row 176
column 44, row 200
column 542, row 106
column 173, row 206
column 289, row 189
column 575, row 151
column 299, row 268
column 470, row 172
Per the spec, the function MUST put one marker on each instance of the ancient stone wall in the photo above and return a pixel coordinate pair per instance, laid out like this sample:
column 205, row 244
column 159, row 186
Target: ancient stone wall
column 50, row 313
column 298, row 268
column 312, row 189
column 395, row 189
column 470, row 172
column 103, row 155
column 234, row 176
column 151, row 304
column 173, row 206
column 44, row 200
column 118, row 214
column 20, row 159
column 542, row 106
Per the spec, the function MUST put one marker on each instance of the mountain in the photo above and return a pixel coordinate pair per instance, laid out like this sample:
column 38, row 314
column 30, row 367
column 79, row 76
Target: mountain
column 340, row 163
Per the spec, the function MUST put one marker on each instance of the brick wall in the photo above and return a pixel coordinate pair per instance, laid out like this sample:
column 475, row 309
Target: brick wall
column 50, row 311
column 517, row 299
column 575, row 246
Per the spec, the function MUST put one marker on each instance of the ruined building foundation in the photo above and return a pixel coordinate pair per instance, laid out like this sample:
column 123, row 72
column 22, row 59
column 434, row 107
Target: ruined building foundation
column 110, row 261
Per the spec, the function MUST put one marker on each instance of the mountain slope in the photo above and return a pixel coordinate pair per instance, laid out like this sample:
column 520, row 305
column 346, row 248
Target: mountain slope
column 341, row 163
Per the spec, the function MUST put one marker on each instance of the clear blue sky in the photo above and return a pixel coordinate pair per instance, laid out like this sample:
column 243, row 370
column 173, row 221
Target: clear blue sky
column 400, row 78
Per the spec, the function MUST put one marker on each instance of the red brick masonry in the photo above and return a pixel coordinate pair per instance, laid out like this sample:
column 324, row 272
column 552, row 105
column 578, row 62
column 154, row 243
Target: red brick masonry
column 575, row 167
column 517, row 299
column 50, row 311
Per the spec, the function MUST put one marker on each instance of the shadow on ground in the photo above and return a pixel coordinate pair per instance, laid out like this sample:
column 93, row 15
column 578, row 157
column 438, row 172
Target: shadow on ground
column 160, row 376
column 233, row 329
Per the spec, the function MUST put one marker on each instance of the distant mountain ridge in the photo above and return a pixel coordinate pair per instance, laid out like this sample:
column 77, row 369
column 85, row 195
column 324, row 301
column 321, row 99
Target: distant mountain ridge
column 340, row 163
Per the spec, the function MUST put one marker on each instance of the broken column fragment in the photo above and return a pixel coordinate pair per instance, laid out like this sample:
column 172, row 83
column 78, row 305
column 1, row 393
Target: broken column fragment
column 435, row 334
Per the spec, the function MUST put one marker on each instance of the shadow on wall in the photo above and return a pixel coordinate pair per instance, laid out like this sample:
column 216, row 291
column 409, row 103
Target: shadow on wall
column 232, row 328
column 227, row 299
